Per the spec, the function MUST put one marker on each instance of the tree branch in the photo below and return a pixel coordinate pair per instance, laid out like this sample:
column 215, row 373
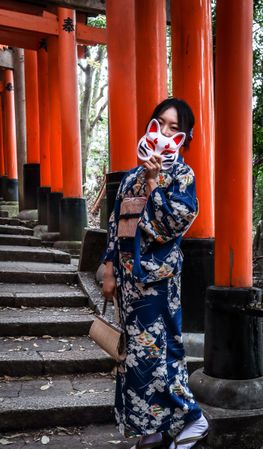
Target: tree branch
column 81, row 66
column 101, row 94
column 95, row 121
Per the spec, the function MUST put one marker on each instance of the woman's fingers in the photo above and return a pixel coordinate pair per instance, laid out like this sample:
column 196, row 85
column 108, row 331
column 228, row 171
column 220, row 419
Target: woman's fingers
column 109, row 286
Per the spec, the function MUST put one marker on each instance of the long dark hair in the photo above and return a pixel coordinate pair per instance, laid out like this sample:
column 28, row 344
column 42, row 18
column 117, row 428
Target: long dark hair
column 186, row 118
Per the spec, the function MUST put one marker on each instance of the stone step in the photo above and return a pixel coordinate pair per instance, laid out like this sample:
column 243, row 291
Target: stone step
column 37, row 272
column 42, row 295
column 15, row 230
column 31, row 254
column 3, row 213
column 68, row 400
column 23, row 240
column 12, row 211
column 18, row 222
column 8, row 203
column 36, row 356
column 94, row 436
column 39, row 321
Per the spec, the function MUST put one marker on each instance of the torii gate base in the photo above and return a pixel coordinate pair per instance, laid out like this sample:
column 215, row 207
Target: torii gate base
column 197, row 275
column 11, row 190
column 31, row 184
column 229, row 387
column 42, row 199
column 53, row 208
column 3, row 180
column 73, row 219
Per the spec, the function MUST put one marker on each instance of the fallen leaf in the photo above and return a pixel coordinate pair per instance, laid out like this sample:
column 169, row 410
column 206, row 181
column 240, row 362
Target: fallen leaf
column 16, row 435
column 114, row 441
column 45, row 439
column 45, row 387
column 5, row 441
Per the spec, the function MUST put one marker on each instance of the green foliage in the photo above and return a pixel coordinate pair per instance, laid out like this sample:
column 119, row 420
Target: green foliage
column 98, row 21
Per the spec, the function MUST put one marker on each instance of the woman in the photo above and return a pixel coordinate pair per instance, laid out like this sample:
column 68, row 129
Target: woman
column 153, row 399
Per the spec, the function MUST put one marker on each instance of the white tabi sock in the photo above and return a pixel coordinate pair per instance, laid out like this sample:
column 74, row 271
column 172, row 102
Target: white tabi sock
column 192, row 429
column 147, row 439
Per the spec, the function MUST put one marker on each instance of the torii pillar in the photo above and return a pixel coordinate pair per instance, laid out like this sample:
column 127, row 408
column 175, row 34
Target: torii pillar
column 11, row 191
column 19, row 76
column 44, row 134
column 32, row 167
column 151, row 65
column 2, row 156
column 192, row 69
column 56, row 194
column 122, row 92
column 73, row 205
column 232, row 377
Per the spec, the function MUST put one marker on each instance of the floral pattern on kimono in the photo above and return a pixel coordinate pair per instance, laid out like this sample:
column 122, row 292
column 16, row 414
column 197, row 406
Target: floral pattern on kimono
column 152, row 392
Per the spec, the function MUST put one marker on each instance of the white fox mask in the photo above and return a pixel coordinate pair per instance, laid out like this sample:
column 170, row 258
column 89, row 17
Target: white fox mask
column 155, row 142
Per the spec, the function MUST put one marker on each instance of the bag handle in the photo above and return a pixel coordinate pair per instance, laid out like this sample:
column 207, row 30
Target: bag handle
column 116, row 306
column 104, row 306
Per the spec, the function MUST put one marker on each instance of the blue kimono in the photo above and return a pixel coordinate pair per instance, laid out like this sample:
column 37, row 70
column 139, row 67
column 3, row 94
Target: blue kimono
column 152, row 392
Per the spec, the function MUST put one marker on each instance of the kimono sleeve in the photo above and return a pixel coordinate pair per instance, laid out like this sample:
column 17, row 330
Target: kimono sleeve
column 169, row 213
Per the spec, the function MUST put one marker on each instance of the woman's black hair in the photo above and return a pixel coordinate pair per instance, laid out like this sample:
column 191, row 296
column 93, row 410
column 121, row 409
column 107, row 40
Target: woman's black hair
column 186, row 118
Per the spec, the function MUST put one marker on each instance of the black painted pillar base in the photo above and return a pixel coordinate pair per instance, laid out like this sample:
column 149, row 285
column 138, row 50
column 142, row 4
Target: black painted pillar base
column 43, row 193
column 244, row 394
column 3, row 180
column 73, row 218
column 197, row 275
column 233, row 333
column 31, row 184
column 53, row 211
column 11, row 190
column 229, row 387
column 113, row 180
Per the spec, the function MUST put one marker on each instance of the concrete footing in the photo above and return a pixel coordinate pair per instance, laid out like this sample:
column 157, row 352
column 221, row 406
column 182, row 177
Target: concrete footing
column 31, row 214
column 92, row 248
column 245, row 394
column 232, row 429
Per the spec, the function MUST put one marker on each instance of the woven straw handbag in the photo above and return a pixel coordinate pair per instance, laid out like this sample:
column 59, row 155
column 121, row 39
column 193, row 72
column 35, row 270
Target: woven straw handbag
column 109, row 336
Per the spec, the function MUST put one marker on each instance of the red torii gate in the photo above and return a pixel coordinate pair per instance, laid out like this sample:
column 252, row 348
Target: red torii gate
column 45, row 106
column 131, row 51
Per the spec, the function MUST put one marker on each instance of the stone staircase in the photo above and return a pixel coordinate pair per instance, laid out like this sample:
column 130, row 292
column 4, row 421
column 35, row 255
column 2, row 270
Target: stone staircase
column 56, row 386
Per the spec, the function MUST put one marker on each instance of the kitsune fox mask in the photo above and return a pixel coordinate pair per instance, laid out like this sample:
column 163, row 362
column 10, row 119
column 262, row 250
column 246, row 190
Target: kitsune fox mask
column 155, row 142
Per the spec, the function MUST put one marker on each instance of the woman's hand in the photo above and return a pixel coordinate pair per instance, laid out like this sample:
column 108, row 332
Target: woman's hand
column 109, row 282
column 153, row 167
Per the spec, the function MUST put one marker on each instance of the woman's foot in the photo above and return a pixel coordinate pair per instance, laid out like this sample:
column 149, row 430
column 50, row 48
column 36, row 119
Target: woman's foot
column 149, row 441
column 194, row 429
